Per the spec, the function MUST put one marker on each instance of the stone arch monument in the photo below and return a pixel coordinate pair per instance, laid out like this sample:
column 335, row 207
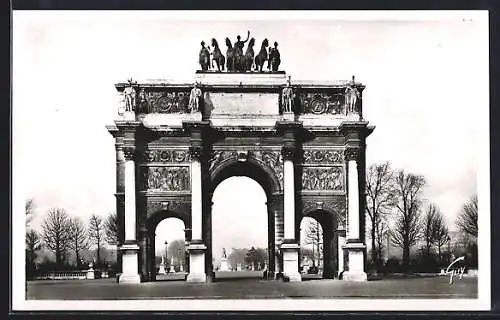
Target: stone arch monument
column 175, row 142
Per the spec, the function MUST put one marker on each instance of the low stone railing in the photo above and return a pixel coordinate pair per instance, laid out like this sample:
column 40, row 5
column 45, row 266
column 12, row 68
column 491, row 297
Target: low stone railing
column 68, row 275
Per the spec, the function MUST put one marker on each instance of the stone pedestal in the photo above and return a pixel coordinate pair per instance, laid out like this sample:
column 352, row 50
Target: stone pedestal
column 90, row 273
column 291, row 261
column 224, row 265
column 197, row 263
column 130, row 266
column 355, row 264
column 288, row 116
column 162, row 269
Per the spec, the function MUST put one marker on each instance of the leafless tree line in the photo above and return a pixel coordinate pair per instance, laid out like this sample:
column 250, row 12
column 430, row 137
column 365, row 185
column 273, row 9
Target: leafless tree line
column 62, row 234
column 395, row 207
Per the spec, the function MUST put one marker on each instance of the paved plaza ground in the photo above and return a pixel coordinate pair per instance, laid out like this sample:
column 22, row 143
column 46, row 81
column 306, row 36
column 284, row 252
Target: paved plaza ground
column 246, row 285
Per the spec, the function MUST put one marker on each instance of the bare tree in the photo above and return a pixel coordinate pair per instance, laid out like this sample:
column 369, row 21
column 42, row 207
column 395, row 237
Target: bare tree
column 467, row 219
column 314, row 235
column 428, row 231
column 30, row 210
column 380, row 232
column 111, row 228
column 33, row 244
column 55, row 233
column 441, row 234
column 78, row 237
column 96, row 234
column 406, row 230
column 379, row 202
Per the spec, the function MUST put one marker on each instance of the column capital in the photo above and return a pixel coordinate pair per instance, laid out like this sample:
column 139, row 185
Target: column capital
column 289, row 153
column 129, row 153
column 196, row 152
column 353, row 154
column 119, row 146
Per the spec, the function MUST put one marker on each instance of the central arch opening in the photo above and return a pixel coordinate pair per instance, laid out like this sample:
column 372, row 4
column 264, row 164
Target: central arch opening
column 240, row 229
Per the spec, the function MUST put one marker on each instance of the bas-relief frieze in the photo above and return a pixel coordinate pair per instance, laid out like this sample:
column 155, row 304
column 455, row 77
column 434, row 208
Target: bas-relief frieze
column 171, row 178
column 322, row 103
column 321, row 178
column 164, row 102
column 323, row 156
column 169, row 156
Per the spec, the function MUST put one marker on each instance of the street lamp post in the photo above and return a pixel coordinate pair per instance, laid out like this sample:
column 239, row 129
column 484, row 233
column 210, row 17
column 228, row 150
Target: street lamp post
column 166, row 253
column 187, row 236
column 449, row 248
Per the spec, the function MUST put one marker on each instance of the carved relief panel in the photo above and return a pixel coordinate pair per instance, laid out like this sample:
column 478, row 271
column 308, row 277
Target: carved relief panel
column 164, row 101
column 323, row 156
column 167, row 178
column 168, row 156
column 323, row 170
column 321, row 178
column 272, row 159
column 322, row 103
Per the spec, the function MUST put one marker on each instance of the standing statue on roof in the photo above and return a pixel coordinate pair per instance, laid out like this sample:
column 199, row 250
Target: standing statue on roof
column 274, row 58
column 287, row 97
column 130, row 96
column 204, row 58
column 194, row 99
column 351, row 97
column 238, row 52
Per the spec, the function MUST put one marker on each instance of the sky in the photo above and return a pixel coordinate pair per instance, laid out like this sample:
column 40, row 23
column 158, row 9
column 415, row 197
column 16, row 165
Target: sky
column 426, row 80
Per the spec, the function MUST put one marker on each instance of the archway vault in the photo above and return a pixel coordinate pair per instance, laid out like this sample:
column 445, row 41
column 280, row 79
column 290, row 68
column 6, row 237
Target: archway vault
column 243, row 164
column 265, row 167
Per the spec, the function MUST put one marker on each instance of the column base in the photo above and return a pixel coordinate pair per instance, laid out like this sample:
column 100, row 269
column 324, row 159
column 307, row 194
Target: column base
column 197, row 263
column 288, row 116
column 355, row 263
column 291, row 262
column 196, row 277
column 354, row 276
column 130, row 272
column 129, row 278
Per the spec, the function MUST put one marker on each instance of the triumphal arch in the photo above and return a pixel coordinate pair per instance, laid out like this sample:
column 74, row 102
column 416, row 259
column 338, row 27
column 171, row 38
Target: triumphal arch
column 302, row 141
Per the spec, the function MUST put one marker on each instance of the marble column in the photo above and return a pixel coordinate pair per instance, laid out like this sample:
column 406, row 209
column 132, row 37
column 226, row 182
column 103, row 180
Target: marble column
column 120, row 198
column 196, row 247
column 354, row 245
column 130, row 249
column 289, row 247
column 278, row 239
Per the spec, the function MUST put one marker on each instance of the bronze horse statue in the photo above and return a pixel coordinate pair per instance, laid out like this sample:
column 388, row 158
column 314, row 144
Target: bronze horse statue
column 262, row 56
column 218, row 57
column 249, row 56
column 230, row 63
